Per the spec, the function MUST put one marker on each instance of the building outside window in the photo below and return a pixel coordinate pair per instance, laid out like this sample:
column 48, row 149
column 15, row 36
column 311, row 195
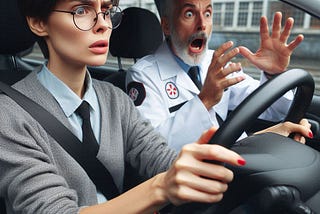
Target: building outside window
column 243, row 14
column 239, row 15
column 256, row 13
column 229, row 14
column 314, row 23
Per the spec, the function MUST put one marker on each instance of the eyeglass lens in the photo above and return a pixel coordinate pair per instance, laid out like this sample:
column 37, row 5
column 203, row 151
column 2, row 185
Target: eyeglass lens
column 85, row 17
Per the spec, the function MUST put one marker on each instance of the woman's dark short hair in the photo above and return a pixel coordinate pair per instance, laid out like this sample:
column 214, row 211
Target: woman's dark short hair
column 37, row 8
column 40, row 9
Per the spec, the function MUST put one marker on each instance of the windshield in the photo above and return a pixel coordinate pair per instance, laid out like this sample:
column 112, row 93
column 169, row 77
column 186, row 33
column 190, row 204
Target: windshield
column 238, row 21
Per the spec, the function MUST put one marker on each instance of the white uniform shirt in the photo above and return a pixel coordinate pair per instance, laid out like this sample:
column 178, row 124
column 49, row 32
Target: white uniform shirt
column 164, row 93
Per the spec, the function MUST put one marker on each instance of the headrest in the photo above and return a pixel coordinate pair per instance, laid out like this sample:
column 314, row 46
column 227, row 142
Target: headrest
column 139, row 34
column 15, row 35
column 159, row 6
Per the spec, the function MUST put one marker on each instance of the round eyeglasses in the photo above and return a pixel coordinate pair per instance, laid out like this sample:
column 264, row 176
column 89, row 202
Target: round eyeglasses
column 86, row 17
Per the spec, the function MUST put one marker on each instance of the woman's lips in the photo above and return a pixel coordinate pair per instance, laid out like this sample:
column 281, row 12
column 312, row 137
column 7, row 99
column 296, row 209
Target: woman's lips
column 99, row 47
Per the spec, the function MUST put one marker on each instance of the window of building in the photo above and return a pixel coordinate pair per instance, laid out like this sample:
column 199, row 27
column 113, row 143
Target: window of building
column 287, row 11
column 247, row 13
column 228, row 19
column 298, row 16
column 256, row 13
column 217, row 14
column 243, row 14
column 314, row 23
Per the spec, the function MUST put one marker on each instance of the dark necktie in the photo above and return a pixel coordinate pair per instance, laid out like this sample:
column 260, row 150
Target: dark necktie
column 88, row 137
column 195, row 77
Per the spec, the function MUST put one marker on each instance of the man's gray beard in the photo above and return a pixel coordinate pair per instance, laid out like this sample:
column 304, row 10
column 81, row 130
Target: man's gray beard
column 181, row 50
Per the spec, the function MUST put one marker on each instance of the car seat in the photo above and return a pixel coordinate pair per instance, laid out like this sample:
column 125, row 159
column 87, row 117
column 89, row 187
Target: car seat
column 16, row 41
column 139, row 34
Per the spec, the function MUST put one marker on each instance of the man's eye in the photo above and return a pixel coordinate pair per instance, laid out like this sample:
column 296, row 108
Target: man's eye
column 188, row 14
column 207, row 14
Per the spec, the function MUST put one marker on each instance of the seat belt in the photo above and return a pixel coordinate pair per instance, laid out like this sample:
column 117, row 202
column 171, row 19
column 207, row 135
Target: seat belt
column 97, row 172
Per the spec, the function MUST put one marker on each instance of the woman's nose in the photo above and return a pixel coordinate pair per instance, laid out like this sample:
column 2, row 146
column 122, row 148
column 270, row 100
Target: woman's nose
column 103, row 22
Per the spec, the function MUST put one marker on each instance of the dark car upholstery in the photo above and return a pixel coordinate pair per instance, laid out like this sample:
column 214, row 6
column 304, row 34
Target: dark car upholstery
column 16, row 40
column 139, row 34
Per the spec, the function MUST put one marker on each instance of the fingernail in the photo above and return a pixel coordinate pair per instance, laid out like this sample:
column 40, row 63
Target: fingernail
column 242, row 162
column 310, row 134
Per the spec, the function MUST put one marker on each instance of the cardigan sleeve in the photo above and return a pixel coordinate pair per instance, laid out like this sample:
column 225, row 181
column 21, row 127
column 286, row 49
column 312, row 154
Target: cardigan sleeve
column 29, row 179
column 145, row 149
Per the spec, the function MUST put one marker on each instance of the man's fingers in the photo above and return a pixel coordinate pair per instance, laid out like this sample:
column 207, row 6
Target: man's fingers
column 221, row 56
column 229, row 69
column 245, row 52
column 232, row 81
column 287, row 30
column 206, row 136
column 223, row 48
column 295, row 42
column 276, row 26
column 264, row 29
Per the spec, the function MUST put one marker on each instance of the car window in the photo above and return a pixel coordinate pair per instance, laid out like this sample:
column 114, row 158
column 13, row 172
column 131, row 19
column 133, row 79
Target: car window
column 239, row 21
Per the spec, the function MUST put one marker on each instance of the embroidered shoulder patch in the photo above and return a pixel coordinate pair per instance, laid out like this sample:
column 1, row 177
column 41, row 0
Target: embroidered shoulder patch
column 136, row 92
column 172, row 90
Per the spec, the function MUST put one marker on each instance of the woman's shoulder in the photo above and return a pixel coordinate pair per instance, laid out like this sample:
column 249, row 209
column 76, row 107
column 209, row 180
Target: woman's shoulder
column 107, row 87
column 107, row 90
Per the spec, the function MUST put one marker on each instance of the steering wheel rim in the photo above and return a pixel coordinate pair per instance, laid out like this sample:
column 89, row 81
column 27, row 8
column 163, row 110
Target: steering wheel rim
column 258, row 101
column 245, row 113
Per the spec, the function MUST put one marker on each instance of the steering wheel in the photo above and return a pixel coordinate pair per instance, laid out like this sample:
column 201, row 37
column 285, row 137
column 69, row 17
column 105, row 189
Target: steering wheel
column 271, row 158
column 261, row 99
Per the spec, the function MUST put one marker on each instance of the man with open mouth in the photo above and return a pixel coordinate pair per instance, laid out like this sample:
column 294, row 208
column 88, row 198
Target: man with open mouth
column 184, row 88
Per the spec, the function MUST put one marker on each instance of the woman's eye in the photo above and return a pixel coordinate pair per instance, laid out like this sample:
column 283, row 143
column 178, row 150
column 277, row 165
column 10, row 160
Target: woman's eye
column 81, row 11
column 188, row 14
column 107, row 12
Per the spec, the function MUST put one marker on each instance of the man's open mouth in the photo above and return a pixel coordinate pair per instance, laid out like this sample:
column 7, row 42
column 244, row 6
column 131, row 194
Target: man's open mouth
column 197, row 45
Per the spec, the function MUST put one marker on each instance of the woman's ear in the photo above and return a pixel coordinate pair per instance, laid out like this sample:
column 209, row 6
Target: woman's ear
column 165, row 26
column 37, row 26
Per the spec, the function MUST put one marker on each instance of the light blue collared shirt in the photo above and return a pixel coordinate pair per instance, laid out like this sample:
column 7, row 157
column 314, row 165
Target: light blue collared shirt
column 185, row 66
column 69, row 102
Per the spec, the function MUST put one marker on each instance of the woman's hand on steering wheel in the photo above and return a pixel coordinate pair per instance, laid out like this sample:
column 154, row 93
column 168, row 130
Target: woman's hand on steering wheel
column 300, row 131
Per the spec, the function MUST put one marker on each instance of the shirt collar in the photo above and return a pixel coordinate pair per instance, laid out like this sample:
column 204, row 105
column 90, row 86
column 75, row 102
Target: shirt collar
column 66, row 98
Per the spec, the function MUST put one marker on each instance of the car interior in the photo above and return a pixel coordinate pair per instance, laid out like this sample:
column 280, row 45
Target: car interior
column 16, row 41
column 140, row 34
column 132, row 40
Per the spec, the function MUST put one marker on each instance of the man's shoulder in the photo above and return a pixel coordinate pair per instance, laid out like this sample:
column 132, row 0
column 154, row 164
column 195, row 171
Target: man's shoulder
column 144, row 63
column 151, row 62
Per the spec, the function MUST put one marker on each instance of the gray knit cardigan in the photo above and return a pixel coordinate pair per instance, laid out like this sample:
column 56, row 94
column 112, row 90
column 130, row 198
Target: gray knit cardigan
column 38, row 176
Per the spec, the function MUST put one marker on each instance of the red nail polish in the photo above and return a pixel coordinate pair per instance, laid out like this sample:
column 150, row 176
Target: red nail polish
column 242, row 162
column 310, row 134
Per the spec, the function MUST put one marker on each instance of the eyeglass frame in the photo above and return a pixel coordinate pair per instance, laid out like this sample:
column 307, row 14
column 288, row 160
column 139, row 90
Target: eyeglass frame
column 73, row 13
